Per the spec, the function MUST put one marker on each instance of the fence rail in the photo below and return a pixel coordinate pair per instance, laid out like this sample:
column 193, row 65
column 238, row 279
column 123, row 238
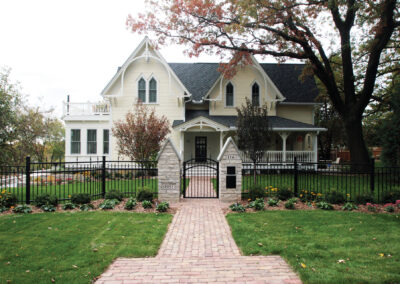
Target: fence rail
column 66, row 178
column 321, row 178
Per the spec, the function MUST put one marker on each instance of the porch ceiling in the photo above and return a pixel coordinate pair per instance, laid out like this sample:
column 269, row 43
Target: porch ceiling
column 277, row 123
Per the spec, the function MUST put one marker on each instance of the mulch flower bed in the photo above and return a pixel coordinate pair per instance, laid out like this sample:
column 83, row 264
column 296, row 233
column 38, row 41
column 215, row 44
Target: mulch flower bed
column 118, row 208
column 299, row 205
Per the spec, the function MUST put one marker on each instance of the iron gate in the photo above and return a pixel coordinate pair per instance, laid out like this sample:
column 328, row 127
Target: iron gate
column 200, row 179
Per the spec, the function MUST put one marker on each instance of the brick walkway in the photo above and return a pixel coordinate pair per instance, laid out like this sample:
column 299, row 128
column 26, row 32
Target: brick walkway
column 199, row 248
column 201, row 186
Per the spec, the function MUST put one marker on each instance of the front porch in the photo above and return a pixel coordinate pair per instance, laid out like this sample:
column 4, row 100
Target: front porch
column 202, row 138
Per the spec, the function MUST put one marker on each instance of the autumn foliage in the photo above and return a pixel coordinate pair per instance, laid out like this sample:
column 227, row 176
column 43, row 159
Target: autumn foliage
column 363, row 33
column 140, row 135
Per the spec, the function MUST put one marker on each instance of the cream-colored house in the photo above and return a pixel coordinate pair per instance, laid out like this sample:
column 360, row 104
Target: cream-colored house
column 200, row 106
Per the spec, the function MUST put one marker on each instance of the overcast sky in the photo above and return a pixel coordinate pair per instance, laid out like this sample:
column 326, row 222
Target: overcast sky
column 55, row 48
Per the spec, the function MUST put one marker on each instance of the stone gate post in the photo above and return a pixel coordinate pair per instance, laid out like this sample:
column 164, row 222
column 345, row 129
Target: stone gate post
column 169, row 169
column 230, row 173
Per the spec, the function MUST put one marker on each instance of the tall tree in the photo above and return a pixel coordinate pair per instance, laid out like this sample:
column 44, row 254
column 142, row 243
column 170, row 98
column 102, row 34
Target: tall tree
column 253, row 132
column 364, row 33
column 139, row 136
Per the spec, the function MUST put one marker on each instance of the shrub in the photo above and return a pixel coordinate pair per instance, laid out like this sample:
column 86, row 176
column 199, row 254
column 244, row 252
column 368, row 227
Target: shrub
column 391, row 197
column 162, row 207
column 69, row 206
column 22, row 209
column 284, row 193
column 389, row 207
column 349, row 206
column 108, row 204
column 335, row 197
column 324, row 205
column 372, row 207
column 293, row 199
column 237, row 207
column 257, row 204
column 289, row 204
column 3, row 208
column 130, row 204
column 256, row 191
column 48, row 208
column 273, row 202
column 398, row 203
column 146, row 204
column 86, row 207
column 80, row 198
column 46, row 199
column 114, row 194
column 145, row 194
column 8, row 199
column 364, row 198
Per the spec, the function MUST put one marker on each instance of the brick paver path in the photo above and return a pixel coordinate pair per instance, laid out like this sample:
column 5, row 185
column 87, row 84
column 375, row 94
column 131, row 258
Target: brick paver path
column 199, row 248
column 201, row 186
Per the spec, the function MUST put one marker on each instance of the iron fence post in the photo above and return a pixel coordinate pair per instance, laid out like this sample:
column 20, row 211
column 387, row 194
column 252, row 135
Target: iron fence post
column 295, row 177
column 28, row 180
column 217, row 180
column 103, row 177
column 372, row 175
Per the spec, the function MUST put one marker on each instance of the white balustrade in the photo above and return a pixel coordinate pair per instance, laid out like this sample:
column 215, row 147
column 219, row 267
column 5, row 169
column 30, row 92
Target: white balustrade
column 83, row 109
column 278, row 157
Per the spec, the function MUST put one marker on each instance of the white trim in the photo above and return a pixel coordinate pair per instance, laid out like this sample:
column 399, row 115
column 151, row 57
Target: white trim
column 221, row 154
column 234, row 87
column 201, row 122
column 173, row 147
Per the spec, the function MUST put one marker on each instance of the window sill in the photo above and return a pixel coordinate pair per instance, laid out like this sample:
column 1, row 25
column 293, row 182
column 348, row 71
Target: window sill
column 230, row 107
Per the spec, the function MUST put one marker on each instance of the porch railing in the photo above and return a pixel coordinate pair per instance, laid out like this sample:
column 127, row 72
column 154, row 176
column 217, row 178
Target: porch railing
column 284, row 156
column 78, row 109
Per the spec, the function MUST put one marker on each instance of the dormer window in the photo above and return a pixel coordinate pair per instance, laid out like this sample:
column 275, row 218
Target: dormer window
column 229, row 95
column 142, row 90
column 255, row 95
column 153, row 91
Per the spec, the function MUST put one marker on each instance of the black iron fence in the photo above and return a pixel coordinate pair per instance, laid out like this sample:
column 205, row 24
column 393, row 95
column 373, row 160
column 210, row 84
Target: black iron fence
column 319, row 179
column 63, row 179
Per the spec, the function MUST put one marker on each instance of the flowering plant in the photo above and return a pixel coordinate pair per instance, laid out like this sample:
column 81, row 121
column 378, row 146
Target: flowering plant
column 372, row 207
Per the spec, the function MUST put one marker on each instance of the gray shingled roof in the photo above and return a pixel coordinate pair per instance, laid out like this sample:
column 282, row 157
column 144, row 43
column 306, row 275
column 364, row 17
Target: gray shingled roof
column 198, row 78
column 228, row 121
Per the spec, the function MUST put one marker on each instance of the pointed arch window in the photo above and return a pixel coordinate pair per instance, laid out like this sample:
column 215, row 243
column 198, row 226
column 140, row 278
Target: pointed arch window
column 153, row 91
column 142, row 90
column 255, row 95
column 229, row 95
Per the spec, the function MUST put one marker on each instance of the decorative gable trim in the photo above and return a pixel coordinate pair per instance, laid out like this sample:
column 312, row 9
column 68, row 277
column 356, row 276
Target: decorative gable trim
column 133, row 57
column 201, row 122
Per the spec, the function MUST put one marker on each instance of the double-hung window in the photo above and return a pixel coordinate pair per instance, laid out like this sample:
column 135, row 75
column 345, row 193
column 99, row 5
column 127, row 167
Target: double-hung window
column 75, row 141
column 153, row 91
column 142, row 90
column 92, row 141
column 106, row 141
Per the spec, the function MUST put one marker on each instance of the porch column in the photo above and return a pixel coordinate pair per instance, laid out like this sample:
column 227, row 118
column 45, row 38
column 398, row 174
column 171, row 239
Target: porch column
column 284, row 136
column 315, row 146
column 220, row 140
column 182, row 144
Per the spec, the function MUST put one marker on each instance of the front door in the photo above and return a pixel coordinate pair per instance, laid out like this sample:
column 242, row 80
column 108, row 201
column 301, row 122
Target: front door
column 200, row 148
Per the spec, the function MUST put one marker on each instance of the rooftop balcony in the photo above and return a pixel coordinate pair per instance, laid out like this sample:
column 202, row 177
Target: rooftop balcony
column 86, row 111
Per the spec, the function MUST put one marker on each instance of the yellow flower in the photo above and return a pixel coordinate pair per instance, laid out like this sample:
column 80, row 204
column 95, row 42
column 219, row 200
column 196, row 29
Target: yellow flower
column 3, row 192
column 249, row 199
column 306, row 191
column 301, row 195
column 69, row 196
column 348, row 194
column 381, row 254
column 319, row 194
column 1, row 196
column 303, row 265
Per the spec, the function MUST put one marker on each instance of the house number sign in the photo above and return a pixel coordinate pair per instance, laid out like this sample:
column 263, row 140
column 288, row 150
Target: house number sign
column 168, row 186
column 231, row 157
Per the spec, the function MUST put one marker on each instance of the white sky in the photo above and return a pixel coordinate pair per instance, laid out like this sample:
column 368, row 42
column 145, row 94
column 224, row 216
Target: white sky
column 55, row 48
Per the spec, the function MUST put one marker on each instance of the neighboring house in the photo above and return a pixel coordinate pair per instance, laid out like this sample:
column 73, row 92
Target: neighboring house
column 200, row 106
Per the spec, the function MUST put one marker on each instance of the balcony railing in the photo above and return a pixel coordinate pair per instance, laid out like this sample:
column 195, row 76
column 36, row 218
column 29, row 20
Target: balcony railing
column 284, row 156
column 84, row 109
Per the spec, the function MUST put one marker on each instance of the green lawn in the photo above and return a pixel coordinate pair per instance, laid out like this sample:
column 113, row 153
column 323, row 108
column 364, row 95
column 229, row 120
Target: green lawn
column 74, row 247
column 320, row 183
column 319, row 239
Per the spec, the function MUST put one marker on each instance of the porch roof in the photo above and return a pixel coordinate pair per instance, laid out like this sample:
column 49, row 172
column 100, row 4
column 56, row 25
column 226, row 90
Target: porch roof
column 277, row 122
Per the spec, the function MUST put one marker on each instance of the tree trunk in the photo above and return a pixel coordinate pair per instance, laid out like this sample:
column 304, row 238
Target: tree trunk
column 359, row 155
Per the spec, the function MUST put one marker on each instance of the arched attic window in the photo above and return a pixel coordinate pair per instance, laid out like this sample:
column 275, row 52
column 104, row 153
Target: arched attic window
column 255, row 95
column 142, row 90
column 229, row 95
column 153, row 91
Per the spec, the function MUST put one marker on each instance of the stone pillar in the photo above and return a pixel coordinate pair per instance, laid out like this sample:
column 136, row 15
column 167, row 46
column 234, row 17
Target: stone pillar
column 230, row 157
column 169, row 173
